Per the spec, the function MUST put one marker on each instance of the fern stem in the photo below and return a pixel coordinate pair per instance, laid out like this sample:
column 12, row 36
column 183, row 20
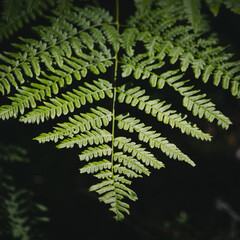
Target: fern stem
column 117, row 14
column 113, row 106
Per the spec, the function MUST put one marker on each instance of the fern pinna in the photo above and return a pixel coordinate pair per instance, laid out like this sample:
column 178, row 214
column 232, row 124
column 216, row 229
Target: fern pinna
column 108, row 82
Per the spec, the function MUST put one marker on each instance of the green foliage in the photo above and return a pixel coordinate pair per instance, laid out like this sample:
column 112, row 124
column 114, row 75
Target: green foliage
column 20, row 215
column 12, row 154
column 214, row 5
column 16, row 13
column 112, row 83
column 192, row 8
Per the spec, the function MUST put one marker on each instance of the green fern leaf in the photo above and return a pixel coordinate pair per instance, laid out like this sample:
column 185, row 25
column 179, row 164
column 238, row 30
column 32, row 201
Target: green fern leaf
column 214, row 6
column 160, row 110
column 85, row 67
column 77, row 98
column 114, row 191
column 129, row 42
column 103, row 174
column 143, row 5
column 137, row 151
column 94, row 152
column 131, row 163
column 201, row 106
column 97, row 136
column 15, row 14
column 210, row 60
column 96, row 166
column 96, row 119
column 192, row 8
column 125, row 171
column 112, row 36
column 152, row 138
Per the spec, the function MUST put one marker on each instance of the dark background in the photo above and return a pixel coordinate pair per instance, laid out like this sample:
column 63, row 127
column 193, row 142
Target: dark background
column 178, row 202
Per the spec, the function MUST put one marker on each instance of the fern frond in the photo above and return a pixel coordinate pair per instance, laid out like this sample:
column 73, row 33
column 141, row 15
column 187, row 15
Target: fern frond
column 97, row 118
column 131, row 163
column 198, row 103
column 94, row 152
column 106, row 174
column 113, row 191
column 54, row 75
column 18, row 213
column 129, row 40
column 234, row 6
column 93, row 15
column 20, row 216
column 214, row 6
column 201, row 106
column 127, row 145
column 15, row 14
column 125, row 171
column 57, row 43
column 12, row 154
column 193, row 100
column 153, row 138
column 188, row 48
column 49, row 85
column 97, row 136
column 136, row 97
column 112, row 36
column 64, row 5
column 93, row 167
column 143, row 5
column 192, row 8
column 70, row 101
